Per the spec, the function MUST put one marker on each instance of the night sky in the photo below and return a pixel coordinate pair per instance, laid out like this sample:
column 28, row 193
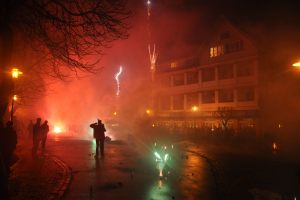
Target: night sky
column 178, row 29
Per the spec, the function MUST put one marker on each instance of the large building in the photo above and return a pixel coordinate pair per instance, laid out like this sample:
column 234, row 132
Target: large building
column 219, row 84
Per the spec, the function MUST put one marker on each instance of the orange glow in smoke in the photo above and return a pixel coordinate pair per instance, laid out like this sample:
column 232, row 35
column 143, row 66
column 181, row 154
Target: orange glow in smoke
column 194, row 108
column 57, row 129
column 297, row 64
column 275, row 147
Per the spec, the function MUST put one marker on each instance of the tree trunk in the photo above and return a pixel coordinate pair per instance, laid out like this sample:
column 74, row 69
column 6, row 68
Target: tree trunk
column 6, row 82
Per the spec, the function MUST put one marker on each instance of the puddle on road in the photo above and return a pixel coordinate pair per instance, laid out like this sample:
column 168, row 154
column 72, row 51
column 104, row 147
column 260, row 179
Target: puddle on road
column 159, row 190
column 110, row 186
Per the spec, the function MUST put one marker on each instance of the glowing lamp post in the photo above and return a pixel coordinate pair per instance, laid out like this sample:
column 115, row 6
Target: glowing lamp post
column 14, row 98
column 148, row 111
column 195, row 108
column 15, row 73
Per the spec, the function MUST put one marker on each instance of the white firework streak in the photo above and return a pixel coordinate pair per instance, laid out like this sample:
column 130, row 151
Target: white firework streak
column 148, row 6
column 118, row 81
column 153, row 57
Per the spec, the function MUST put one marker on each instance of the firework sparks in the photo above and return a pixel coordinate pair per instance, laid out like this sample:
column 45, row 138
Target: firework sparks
column 148, row 8
column 118, row 81
column 153, row 57
column 161, row 156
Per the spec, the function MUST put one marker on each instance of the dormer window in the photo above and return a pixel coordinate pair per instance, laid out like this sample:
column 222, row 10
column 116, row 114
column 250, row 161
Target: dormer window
column 216, row 51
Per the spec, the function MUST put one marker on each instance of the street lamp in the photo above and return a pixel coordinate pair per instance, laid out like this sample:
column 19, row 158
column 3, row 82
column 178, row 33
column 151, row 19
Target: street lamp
column 15, row 73
column 148, row 111
column 195, row 108
column 14, row 98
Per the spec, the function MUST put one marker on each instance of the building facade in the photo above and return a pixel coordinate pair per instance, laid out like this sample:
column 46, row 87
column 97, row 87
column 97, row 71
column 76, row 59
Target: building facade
column 220, row 83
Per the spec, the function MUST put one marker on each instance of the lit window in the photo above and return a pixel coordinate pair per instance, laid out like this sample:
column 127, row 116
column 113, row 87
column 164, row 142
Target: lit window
column 173, row 65
column 216, row 51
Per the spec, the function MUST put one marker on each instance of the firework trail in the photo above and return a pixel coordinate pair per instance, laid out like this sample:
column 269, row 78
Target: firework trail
column 118, row 81
column 152, row 57
column 152, row 52
column 148, row 8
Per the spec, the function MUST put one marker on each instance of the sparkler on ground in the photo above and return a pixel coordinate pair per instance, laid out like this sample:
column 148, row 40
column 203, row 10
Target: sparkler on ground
column 161, row 158
column 118, row 81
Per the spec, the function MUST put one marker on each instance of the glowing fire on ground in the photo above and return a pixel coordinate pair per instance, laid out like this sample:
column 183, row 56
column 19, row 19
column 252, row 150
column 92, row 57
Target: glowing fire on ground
column 57, row 129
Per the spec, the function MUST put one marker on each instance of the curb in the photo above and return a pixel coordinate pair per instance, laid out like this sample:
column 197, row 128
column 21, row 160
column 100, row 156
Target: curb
column 62, row 187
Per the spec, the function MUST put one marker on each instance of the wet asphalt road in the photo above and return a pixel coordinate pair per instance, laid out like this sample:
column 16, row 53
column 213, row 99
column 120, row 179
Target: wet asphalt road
column 129, row 171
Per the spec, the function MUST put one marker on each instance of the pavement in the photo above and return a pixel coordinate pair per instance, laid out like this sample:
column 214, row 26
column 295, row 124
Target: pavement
column 198, row 170
column 250, row 170
column 42, row 177
column 129, row 171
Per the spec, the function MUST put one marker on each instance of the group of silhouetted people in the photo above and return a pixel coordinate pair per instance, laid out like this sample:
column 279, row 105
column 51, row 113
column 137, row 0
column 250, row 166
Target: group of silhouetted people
column 39, row 135
column 8, row 143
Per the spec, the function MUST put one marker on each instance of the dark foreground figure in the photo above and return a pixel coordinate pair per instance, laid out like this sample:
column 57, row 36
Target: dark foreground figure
column 99, row 135
column 8, row 139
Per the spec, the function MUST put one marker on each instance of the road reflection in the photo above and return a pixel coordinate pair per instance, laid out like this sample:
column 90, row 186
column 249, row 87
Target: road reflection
column 160, row 190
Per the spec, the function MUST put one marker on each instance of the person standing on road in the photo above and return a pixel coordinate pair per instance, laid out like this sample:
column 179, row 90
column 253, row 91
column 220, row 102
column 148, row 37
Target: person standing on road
column 44, row 132
column 36, row 136
column 99, row 135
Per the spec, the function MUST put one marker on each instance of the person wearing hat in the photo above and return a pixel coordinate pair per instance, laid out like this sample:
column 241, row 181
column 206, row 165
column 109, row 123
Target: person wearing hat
column 99, row 135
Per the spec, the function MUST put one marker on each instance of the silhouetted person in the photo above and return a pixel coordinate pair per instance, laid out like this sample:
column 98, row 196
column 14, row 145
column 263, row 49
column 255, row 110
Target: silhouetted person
column 44, row 132
column 99, row 135
column 9, row 145
column 30, row 129
column 36, row 136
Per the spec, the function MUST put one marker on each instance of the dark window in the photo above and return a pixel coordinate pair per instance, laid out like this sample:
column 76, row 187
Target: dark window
column 208, row 97
column 208, row 74
column 192, row 77
column 178, row 79
column 165, row 81
column 226, row 95
column 225, row 72
column 245, row 94
column 234, row 46
column 224, row 36
column 245, row 69
column 165, row 102
column 178, row 102
column 192, row 99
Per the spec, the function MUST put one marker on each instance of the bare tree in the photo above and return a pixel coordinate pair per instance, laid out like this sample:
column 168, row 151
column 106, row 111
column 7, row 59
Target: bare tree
column 59, row 33
column 224, row 114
